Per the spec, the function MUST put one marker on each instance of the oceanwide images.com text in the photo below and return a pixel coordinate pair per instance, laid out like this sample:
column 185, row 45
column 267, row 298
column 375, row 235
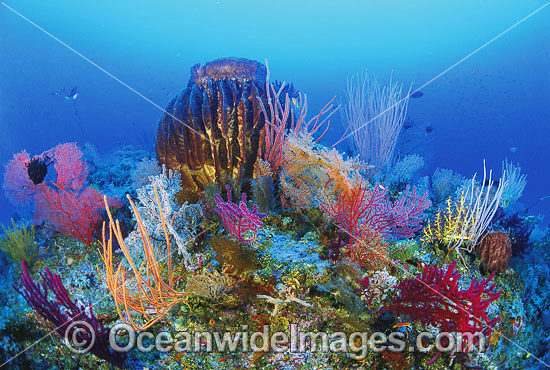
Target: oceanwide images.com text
column 122, row 338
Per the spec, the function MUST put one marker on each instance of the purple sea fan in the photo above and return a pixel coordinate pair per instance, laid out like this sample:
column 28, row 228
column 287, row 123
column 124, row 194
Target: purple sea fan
column 73, row 321
column 238, row 220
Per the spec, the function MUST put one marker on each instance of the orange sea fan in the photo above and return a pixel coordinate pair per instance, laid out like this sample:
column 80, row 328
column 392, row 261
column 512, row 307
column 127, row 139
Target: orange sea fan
column 145, row 293
column 371, row 251
column 312, row 171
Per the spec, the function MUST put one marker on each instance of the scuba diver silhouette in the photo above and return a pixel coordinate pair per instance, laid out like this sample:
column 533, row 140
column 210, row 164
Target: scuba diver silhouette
column 71, row 96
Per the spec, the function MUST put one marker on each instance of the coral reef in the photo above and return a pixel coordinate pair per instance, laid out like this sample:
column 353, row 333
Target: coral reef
column 435, row 298
column 67, row 203
column 274, row 232
column 62, row 313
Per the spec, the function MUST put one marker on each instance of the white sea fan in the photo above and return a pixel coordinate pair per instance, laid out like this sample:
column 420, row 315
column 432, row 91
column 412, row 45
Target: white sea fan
column 181, row 222
column 515, row 183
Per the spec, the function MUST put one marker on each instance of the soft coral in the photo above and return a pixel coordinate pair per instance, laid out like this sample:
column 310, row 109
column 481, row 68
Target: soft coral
column 435, row 298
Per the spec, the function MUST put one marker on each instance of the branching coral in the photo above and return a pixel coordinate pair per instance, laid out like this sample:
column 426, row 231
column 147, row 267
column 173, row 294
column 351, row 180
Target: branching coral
column 146, row 289
column 359, row 210
column 515, row 183
column 311, row 173
column 446, row 223
column 67, row 203
column 375, row 115
column 461, row 225
column 281, row 120
column 19, row 243
column 435, row 298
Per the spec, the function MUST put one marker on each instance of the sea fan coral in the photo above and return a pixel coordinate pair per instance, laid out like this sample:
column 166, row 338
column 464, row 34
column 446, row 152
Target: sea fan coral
column 238, row 220
column 311, row 173
column 70, row 206
column 181, row 222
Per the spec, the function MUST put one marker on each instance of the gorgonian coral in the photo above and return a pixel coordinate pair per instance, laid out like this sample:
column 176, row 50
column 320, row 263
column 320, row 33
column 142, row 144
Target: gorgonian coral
column 68, row 318
column 238, row 220
column 66, row 203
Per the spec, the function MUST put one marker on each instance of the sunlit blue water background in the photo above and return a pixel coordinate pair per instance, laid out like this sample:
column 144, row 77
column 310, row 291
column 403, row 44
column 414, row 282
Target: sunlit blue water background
column 493, row 105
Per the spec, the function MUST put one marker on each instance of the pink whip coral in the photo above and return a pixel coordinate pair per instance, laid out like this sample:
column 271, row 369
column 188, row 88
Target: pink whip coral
column 435, row 298
column 238, row 220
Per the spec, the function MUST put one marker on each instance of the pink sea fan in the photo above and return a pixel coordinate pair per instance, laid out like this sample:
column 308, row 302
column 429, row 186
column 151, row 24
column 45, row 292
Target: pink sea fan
column 238, row 220
column 18, row 187
column 70, row 206
column 70, row 168
column 406, row 213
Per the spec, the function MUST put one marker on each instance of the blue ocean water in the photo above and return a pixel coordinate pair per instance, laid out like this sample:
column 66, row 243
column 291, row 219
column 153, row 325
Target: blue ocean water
column 101, row 73
column 493, row 105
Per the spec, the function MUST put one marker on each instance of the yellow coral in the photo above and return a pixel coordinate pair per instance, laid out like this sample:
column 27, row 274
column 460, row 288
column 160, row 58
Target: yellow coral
column 19, row 243
column 447, row 224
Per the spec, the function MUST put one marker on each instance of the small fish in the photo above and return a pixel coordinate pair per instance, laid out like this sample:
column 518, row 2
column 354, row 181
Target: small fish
column 491, row 183
column 513, row 149
column 417, row 94
column 224, row 358
column 429, row 129
column 402, row 324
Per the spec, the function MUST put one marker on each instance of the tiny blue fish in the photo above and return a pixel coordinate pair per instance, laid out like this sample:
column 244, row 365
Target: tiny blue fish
column 417, row 94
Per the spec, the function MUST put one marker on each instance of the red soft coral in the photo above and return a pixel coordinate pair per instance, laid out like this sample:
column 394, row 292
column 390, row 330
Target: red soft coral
column 435, row 298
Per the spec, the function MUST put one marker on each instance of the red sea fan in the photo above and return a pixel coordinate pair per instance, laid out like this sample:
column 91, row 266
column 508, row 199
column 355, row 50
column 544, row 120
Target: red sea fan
column 358, row 209
column 18, row 187
column 434, row 298
column 66, row 203
column 72, row 213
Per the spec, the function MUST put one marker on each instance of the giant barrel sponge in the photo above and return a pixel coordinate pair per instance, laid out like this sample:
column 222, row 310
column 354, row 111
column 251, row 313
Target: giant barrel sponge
column 213, row 129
